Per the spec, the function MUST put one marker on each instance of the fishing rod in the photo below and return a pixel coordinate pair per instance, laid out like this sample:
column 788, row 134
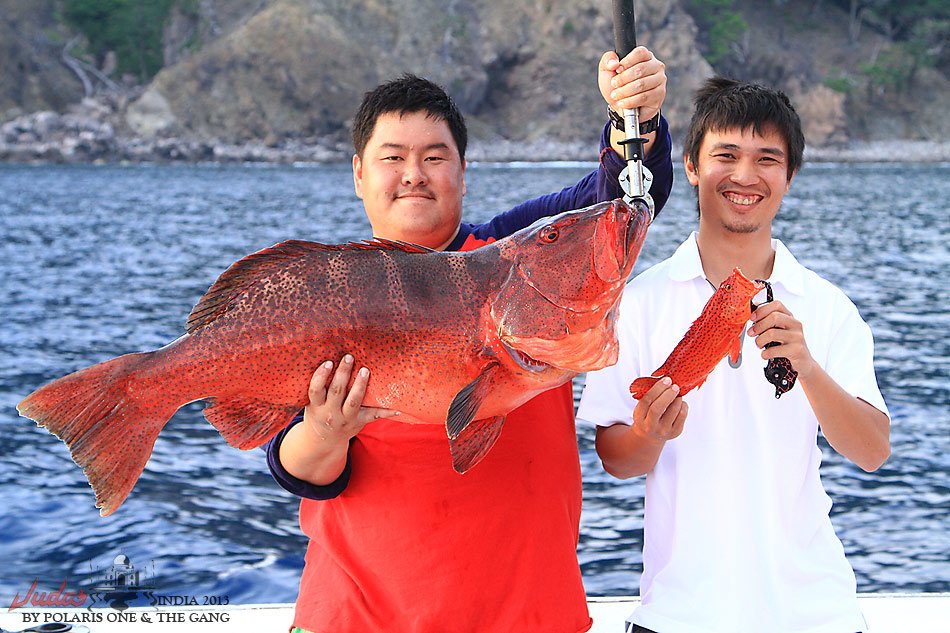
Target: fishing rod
column 635, row 179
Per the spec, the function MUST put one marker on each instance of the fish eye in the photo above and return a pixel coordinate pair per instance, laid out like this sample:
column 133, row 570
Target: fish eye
column 549, row 234
column 728, row 286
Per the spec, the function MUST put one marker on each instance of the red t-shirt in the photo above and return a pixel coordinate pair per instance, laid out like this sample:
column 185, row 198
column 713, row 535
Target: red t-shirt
column 412, row 546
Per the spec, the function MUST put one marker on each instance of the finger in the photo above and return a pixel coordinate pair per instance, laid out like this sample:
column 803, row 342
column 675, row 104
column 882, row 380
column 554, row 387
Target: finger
column 368, row 414
column 627, row 74
column 773, row 320
column 661, row 405
column 638, row 55
column 317, row 391
column 654, row 392
column 766, row 309
column 337, row 390
column 676, row 428
column 645, row 91
column 770, row 336
column 672, row 410
column 609, row 61
column 354, row 399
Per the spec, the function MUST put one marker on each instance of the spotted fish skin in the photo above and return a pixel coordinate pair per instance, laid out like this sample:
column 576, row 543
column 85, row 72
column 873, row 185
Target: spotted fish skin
column 712, row 336
column 453, row 338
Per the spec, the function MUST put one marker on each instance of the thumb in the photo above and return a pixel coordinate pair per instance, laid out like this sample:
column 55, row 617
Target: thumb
column 368, row 414
column 609, row 61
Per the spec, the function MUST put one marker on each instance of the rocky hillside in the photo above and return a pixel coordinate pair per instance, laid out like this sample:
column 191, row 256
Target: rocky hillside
column 522, row 71
column 279, row 79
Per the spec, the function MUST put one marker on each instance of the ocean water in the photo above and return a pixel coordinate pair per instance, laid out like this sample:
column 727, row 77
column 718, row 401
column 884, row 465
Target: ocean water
column 97, row 261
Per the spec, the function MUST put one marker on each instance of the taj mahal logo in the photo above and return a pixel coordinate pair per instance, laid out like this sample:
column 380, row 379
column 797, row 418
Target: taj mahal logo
column 124, row 584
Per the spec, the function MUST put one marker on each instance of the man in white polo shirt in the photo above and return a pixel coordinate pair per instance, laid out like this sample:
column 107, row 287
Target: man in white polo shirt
column 737, row 537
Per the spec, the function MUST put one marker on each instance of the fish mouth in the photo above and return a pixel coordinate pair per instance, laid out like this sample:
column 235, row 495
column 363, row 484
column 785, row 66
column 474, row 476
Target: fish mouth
column 633, row 219
column 523, row 360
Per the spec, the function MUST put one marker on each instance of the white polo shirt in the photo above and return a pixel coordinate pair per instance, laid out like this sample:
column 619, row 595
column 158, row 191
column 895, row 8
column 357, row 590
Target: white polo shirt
column 737, row 537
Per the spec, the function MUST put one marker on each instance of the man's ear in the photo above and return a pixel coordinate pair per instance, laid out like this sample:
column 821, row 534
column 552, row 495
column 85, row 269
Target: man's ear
column 463, row 177
column 692, row 173
column 358, row 176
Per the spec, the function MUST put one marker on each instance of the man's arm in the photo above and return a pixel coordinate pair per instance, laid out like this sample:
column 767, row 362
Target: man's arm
column 313, row 452
column 642, row 83
column 633, row 450
column 853, row 427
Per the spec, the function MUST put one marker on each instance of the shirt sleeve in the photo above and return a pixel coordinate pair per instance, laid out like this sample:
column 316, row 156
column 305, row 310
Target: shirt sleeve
column 299, row 487
column 606, row 398
column 600, row 185
column 850, row 360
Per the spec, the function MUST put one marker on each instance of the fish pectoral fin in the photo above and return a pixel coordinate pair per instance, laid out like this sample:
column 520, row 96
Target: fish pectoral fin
column 248, row 422
column 467, row 401
column 474, row 442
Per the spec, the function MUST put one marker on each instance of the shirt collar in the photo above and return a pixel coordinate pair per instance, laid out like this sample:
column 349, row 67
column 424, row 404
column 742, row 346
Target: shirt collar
column 685, row 265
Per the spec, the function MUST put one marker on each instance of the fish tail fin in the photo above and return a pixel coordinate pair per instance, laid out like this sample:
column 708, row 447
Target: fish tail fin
column 640, row 386
column 109, row 431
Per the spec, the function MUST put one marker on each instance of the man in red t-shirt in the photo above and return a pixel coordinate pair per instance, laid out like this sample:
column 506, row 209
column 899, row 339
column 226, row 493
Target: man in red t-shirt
column 399, row 541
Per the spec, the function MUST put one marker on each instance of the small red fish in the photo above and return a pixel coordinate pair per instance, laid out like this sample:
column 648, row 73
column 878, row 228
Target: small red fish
column 484, row 331
column 709, row 339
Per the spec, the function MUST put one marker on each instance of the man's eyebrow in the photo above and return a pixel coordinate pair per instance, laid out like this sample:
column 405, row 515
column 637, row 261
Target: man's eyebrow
column 431, row 146
column 775, row 151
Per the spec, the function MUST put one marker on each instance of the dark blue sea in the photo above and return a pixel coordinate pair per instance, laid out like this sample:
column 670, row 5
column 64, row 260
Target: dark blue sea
column 98, row 261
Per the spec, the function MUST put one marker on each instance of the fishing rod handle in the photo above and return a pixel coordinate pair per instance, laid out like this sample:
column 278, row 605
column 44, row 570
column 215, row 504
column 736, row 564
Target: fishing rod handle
column 625, row 27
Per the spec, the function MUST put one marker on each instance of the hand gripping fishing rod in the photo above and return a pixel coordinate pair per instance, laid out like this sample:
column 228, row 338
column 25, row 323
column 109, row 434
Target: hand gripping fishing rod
column 635, row 179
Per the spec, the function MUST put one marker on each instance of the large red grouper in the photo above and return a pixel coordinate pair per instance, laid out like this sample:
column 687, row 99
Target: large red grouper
column 483, row 331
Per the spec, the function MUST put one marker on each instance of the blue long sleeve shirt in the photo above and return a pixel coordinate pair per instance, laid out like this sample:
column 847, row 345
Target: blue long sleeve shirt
column 600, row 185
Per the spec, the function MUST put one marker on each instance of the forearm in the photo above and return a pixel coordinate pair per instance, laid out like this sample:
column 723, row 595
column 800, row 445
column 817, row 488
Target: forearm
column 311, row 458
column 852, row 426
column 626, row 452
column 616, row 136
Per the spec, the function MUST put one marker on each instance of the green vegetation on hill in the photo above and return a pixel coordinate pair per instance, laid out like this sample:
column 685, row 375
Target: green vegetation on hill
column 720, row 25
column 918, row 29
column 132, row 29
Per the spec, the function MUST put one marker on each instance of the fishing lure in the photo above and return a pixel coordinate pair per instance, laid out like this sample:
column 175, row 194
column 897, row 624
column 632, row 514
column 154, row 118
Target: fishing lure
column 778, row 371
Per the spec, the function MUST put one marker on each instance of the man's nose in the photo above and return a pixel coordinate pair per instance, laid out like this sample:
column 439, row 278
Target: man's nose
column 413, row 172
column 745, row 172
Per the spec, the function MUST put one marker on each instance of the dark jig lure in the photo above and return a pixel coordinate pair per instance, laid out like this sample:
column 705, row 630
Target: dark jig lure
column 778, row 371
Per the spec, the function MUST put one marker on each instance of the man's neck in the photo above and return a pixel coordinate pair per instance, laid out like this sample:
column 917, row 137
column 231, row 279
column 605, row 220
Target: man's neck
column 450, row 240
column 721, row 251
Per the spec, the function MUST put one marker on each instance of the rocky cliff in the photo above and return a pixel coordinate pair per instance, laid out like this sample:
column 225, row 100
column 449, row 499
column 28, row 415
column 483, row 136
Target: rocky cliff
column 521, row 71
column 284, row 76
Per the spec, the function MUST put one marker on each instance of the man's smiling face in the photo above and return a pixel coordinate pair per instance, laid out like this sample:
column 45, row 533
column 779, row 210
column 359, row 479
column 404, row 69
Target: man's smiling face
column 742, row 177
column 411, row 179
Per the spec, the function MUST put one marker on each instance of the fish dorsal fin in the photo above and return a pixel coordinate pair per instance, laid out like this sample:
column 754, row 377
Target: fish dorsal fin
column 244, row 273
column 379, row 244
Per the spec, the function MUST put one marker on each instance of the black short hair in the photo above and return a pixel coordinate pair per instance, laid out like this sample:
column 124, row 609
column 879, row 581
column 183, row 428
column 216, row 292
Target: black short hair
column 723, row 104
column 406, row 95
